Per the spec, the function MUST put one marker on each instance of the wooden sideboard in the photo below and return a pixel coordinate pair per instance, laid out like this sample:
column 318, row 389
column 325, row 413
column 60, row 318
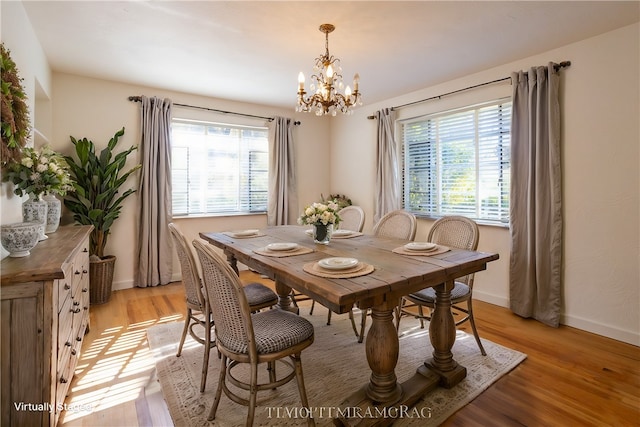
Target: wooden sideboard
column 45, row 314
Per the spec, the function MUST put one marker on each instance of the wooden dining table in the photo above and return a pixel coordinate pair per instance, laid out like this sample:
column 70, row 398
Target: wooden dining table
column 393, row 275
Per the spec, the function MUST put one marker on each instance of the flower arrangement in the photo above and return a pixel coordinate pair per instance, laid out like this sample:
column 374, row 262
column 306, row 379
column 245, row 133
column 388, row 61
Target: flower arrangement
column 320, row 213
column 39, row 172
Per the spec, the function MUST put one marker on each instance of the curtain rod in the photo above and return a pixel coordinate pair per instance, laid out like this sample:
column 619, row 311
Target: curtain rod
column 557, row 67
column 139, row 99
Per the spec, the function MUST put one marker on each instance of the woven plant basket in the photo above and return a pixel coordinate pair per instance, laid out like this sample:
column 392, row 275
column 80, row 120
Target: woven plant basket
column 101, row 279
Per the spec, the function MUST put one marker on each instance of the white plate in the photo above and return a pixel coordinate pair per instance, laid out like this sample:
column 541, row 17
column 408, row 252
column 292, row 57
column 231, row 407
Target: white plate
column 421, row 246
column 342, row 232
column 282, row 246
column 338, row 263
column 309, row 231
column 245, row 233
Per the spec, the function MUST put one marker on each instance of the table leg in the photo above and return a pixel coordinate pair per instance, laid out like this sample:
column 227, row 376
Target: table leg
column 233, row 262
column 382, row 348
column 284, row 298
column 442, row 332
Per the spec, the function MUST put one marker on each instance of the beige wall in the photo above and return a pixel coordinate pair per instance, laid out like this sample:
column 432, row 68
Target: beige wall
column 601, row 162
column 601, row 139
column 19, row 38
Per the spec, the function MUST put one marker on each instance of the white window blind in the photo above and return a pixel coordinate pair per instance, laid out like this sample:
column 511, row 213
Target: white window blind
column 457, row 163
column 218, row 168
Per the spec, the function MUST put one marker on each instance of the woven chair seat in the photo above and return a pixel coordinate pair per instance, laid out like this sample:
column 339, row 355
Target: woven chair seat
column 275, row 330
column 259, row 294
column 428, row 295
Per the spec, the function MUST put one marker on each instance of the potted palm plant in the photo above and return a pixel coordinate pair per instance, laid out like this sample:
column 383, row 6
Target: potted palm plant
column 96, row 200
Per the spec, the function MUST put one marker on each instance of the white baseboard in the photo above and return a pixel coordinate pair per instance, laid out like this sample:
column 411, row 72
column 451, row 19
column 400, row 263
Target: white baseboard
column 588, row 325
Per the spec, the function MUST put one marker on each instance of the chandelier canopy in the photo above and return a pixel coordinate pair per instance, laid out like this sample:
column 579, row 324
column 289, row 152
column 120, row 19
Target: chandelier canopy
column 326, row 82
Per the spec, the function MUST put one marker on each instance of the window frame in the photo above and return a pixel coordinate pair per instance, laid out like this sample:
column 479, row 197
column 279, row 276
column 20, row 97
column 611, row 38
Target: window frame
column 501, row 219
column 246, row 190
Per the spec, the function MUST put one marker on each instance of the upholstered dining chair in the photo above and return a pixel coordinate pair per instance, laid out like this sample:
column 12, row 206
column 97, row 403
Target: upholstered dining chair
column 398, row 224
column 246, row 338
column 351, row 218
column 198, row 309
column 455, row 232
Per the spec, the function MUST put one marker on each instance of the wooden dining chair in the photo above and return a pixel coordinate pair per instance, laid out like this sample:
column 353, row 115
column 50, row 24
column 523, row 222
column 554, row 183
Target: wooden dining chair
column 398, row 224
column 245, row 338
column 455, row 232
column 351, row 218
column 198, row 309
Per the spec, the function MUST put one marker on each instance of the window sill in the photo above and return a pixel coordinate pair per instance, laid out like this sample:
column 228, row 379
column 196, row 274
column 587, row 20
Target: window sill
column 219, row 215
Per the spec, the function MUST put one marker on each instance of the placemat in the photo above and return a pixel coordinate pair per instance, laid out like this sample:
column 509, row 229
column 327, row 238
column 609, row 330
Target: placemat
column 334, row 236
column 236, row 236
column 439, row 250
column 300, row 250
column 361, row 269
column 346, row 236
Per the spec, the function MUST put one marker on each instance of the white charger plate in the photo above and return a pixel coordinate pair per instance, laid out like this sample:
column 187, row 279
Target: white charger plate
column 245, row 233
column 338, row 263
column 282, row 246
column 421, row 246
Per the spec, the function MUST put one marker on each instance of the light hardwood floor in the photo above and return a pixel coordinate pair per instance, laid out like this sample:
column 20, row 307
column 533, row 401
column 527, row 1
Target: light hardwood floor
column 570, row 377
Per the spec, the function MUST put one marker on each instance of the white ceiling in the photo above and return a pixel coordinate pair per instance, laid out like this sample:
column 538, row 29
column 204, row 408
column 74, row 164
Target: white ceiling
column 253, row 51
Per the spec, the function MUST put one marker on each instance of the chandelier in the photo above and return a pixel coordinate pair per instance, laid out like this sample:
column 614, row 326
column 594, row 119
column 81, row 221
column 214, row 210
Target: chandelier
column 326, row 82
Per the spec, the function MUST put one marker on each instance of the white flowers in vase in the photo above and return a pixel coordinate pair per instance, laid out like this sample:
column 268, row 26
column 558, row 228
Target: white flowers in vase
column 320, row 214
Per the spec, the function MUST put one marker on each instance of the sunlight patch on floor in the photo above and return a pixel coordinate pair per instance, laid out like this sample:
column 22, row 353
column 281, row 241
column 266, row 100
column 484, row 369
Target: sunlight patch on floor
column 114, row 369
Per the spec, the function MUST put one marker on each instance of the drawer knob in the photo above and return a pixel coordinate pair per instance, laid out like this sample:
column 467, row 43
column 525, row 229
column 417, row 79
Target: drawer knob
column 85, row 290
column 77, row 272
column 66, row 287
column 84, row 271
column 68, row 344
column 85, row 250
column 76, row 303
column 63, row 380
column 78, row 338
column 76, row 311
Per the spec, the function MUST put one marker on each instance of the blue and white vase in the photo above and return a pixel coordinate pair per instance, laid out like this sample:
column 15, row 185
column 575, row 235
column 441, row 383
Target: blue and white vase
column 54, row 209
column 35, row 210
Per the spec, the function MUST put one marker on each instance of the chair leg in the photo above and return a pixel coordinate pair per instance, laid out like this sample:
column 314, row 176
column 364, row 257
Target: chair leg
column 253, row 391
column 421, row 316
column 363, row 323
column 398, row 312
column 353, row 322
column 328, row 316
column 221, row 380
column 187, row 321
column 301, row 388
column 313, row 304
column 207, row 351
column 473, row 327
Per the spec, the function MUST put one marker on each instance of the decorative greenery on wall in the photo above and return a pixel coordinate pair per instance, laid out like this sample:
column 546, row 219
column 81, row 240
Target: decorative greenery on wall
column 16, row 127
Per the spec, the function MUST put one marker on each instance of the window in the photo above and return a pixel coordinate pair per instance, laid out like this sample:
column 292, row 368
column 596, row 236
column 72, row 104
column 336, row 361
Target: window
column 457, row 163
column 218, row 168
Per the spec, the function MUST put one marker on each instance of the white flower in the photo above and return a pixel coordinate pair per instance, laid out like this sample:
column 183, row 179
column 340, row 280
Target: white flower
column 42, row 167
column 27, row 162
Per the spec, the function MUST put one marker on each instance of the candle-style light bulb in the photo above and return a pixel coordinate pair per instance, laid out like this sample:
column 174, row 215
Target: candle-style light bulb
column 347, row 92
column 300, row 81
column 356, row 81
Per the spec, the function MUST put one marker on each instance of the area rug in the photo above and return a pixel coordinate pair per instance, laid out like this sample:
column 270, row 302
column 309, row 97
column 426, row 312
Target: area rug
column 334, row 366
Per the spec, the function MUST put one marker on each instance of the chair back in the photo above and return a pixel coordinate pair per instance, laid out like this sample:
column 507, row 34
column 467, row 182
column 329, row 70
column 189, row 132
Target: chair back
column 231, row 313
column 190, row 275
column 456, row 232
column 398, row 224
column 351, row 218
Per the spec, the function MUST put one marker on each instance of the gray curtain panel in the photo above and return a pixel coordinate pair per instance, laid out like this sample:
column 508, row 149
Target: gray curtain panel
column 282, row 173
column 155, row 256
column 387, row 196
column 536, row 197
